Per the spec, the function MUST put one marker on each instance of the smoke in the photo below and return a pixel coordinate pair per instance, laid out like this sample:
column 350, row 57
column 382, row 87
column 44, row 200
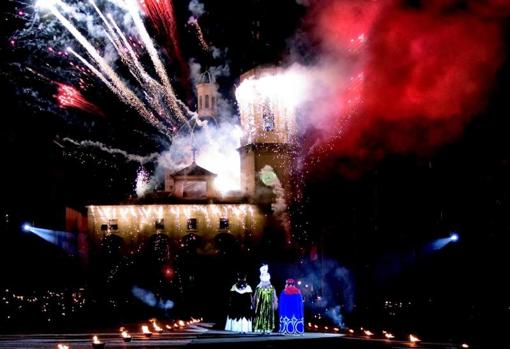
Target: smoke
column 216, row 52
column 215, row 71
column 196, row 8
column 395, row 76
column 114, row 151
column 216, row 147
column 150, row 299
column 329, row 289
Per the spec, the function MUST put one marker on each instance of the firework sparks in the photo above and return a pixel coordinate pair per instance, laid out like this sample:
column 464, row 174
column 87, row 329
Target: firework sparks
column 161, row 14
column 159, row 106
column 69, row 97
column 142, row 185
column 193, row 22
column 280, row 91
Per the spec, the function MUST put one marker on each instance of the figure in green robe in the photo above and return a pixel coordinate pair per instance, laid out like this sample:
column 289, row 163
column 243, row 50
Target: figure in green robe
column 265, row 303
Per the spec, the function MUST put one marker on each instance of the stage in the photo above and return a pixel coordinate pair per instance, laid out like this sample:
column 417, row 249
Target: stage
column 203, row 336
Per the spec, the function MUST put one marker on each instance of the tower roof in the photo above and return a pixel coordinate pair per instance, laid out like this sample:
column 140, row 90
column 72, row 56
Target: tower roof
column 194, row 170
column 206, row 78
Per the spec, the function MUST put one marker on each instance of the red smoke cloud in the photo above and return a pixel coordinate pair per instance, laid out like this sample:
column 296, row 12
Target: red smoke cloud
column 426, row 70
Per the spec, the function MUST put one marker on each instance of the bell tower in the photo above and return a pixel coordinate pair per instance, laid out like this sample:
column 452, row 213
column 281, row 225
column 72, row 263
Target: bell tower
column 207, row 97
column 269, row 128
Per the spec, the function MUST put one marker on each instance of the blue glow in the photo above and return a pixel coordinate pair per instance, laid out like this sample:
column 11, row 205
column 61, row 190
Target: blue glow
column 26, row 227
column 454, row 237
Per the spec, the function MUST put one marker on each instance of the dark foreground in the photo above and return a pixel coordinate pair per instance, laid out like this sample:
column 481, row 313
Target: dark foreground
column 206, row 338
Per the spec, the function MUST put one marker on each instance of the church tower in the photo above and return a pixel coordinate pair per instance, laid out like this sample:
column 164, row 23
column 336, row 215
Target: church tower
column 207, row 97
column 269, row 129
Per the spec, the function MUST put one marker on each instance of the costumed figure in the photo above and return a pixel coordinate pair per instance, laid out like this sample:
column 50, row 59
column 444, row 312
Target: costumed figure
column 239, row 311
column 265, row 303
column 291, row 309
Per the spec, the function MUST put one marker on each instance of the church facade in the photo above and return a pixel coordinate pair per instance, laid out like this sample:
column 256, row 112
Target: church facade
column 190, row 207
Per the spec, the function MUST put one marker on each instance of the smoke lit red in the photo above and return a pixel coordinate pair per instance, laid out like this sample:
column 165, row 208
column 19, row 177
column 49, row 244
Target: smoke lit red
column 427, row 69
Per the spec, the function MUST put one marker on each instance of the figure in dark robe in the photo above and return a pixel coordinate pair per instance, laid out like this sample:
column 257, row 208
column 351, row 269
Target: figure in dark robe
column 239, row 312
column 291, row 309
column 265, row 303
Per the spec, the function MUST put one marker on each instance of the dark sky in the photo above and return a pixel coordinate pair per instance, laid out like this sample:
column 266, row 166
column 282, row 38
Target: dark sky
column 397, row 205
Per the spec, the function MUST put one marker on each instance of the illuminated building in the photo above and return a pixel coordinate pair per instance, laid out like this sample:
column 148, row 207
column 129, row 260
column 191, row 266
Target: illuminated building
column 190, row 206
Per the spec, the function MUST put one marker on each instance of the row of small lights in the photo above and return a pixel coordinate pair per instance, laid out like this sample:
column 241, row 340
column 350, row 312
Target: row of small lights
column 367, row 333
column 146, row 330
column 44, row 301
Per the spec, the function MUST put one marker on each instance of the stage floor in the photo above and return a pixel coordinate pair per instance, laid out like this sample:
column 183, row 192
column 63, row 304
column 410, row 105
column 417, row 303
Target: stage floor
column 206, row 338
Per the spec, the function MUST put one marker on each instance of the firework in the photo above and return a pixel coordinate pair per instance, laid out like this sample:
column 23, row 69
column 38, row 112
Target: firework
column 193, row 22
column 161, row 15
column 69, row 97
column 159, row 107
column 142, row 185
column 280, row 91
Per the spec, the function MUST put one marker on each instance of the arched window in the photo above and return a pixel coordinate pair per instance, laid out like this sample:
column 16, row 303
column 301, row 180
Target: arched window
column 206, row 101
column 213, row 102
column 200, row 102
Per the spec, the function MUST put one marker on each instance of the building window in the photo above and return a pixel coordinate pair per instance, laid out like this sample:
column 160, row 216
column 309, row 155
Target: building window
column 224, row 225
column 200, row 102
column 160, row 224
column 104, row 227
column 113, row 224
column 192, row 224
column 206, row 101
column 213, row 102
column 267, row 116
column 195, row 189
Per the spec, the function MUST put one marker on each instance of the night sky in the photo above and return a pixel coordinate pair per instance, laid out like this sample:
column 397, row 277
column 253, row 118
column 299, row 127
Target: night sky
column 373, row 213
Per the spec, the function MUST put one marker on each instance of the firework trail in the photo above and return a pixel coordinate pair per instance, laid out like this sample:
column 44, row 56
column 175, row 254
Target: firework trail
column 114, row 151
column 69, row 97
column 159, row 106
column 193, row 22
column 162, row 16
column 119, row 87
column 153, row 54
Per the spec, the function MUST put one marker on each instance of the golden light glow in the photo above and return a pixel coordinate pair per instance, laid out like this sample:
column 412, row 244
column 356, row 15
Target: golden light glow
column 146, row 331
column 138, row 220
column 155, row 325
column 414, row 339
column 124, row 333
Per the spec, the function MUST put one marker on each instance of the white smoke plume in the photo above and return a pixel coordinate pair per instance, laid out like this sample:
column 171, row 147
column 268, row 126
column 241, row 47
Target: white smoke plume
column 114, row 151
column 215, row 71
column 216, row 147
column 196, row 8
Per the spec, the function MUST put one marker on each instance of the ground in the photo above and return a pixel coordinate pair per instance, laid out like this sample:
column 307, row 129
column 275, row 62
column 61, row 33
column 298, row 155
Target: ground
column 206, row 338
